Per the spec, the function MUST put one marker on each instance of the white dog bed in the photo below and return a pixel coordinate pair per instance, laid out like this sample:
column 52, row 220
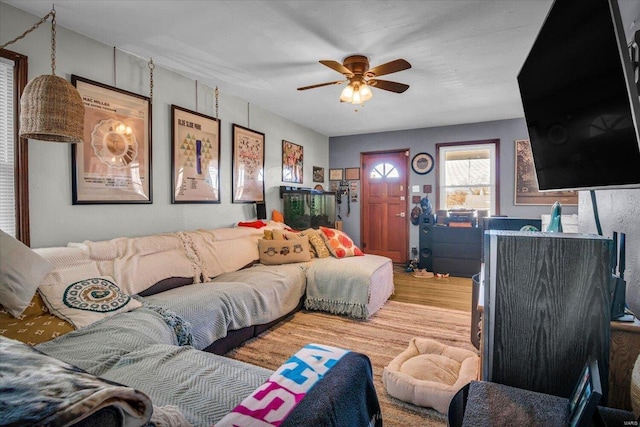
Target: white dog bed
column 429, row 373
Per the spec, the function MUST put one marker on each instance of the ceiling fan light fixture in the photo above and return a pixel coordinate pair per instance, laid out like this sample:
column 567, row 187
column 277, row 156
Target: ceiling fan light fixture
column 356, row 93
column 360, row 78
column 365, row 92
column 347, row 94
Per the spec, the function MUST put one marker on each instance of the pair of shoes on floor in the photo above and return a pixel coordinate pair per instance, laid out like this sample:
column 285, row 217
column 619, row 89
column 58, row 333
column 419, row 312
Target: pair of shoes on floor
column 441, row 275
column 422, row 273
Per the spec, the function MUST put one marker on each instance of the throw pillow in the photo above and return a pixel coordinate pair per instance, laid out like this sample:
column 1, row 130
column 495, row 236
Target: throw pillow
column 277, row 216
column 279, row 234
column 339, row 243
column 86, row 301
column 284, row 251
column 21, row 271
column 35, row 325
column 317, row 242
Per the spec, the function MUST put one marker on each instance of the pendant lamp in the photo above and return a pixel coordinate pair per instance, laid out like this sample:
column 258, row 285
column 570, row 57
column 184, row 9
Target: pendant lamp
column 51, row 109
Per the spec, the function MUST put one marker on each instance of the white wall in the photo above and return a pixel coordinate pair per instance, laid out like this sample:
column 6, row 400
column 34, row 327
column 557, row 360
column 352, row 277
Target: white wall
column 619, row 210
column 55, row 221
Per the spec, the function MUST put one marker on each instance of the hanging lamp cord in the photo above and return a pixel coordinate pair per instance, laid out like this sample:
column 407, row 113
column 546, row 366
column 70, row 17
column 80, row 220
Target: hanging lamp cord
column 51, row 14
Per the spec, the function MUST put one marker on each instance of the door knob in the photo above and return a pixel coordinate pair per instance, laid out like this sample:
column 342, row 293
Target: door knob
column 401, row 214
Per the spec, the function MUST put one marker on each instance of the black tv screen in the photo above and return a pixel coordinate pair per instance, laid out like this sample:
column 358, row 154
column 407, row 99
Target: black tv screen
column 580, row 99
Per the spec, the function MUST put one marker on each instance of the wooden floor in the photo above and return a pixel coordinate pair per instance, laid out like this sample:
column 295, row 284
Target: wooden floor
column 450, row 292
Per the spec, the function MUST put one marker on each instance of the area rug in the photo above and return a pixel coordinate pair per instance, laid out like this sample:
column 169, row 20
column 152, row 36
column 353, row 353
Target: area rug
column 382, row 337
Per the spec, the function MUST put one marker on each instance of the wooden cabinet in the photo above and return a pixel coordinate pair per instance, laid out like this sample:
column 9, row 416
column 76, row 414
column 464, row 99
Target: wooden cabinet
column 546, row 309
column 457, row 250
column 624, row 350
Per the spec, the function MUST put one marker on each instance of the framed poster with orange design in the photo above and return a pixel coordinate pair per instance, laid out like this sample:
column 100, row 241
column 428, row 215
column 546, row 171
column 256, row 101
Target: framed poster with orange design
column 113, row 164
column 195, row 157
column 292, row 162
column 248, row 165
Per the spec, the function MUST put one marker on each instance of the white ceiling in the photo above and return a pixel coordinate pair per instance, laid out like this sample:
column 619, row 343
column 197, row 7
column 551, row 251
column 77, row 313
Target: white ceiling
column 465, row 55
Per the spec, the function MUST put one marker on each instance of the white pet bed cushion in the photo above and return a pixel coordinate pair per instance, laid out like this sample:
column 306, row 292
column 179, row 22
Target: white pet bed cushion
column 429, row 373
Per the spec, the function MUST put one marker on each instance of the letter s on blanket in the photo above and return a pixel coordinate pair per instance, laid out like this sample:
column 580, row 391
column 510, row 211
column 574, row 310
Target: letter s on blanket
column 270, row 403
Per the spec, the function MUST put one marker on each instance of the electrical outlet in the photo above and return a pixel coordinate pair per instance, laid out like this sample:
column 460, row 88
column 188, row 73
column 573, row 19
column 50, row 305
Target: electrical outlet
column 414, row 250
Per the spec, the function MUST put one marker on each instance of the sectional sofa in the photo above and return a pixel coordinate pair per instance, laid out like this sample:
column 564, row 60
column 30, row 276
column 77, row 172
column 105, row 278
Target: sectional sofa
column 155, row 313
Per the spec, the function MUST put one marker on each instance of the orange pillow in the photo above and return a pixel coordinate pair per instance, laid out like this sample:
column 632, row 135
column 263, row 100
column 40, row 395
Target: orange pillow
column 277, row 216
column 339, row 244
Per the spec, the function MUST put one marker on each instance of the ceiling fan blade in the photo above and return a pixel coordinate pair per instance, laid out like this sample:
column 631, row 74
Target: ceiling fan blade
column 334, row 65
column 387, row 85
column 388, row 68
column 337, row 82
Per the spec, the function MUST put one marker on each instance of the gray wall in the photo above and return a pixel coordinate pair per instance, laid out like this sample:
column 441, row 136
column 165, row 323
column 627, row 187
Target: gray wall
column 55, row 221
column 619, row 210
column 345, row 151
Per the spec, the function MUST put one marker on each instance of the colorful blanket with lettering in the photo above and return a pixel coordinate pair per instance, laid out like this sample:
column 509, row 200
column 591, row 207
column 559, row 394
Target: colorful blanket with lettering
column 319, row 385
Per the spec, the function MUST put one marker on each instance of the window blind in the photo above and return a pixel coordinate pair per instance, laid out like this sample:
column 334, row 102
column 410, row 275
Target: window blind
column 7, row 144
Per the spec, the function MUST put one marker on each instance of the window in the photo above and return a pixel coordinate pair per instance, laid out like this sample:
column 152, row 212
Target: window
column 14, row 184
column 384, row 170
column 467, row 176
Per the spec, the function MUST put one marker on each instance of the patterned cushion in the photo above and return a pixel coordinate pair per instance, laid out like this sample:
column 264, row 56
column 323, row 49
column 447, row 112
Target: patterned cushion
column 284, row 251
column 279, row 234
column 317, row 242
column 35, row 325
column 339, row 244
column 85, row 301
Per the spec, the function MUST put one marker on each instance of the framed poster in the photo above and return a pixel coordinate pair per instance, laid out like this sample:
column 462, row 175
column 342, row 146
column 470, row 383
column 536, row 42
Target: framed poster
column 526, row 182
column 318, row 174
column 292, row 161
column 351, row 174
column 195, row 157
column 248, row 165
column 113, row 164
column 335, row 175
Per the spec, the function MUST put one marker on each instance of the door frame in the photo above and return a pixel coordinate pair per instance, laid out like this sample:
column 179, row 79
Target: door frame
column 406, row 187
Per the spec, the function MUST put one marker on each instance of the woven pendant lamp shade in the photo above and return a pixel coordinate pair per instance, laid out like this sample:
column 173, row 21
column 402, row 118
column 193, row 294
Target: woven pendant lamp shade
column 51, row 110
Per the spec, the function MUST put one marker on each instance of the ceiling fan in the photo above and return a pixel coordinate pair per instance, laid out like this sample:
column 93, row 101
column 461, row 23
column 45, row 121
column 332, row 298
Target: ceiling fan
column 360, row 78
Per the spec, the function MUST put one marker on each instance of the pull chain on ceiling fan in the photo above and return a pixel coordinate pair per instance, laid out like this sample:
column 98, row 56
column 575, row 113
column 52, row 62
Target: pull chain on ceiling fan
column 361, row 79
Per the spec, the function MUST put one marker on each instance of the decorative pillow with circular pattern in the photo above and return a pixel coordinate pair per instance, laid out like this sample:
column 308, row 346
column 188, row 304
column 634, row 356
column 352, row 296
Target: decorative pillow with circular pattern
column 339, row 243
column 86, row 301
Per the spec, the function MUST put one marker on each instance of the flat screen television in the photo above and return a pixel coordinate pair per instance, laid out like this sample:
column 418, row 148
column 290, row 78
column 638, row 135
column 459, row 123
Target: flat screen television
column 580, row 99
